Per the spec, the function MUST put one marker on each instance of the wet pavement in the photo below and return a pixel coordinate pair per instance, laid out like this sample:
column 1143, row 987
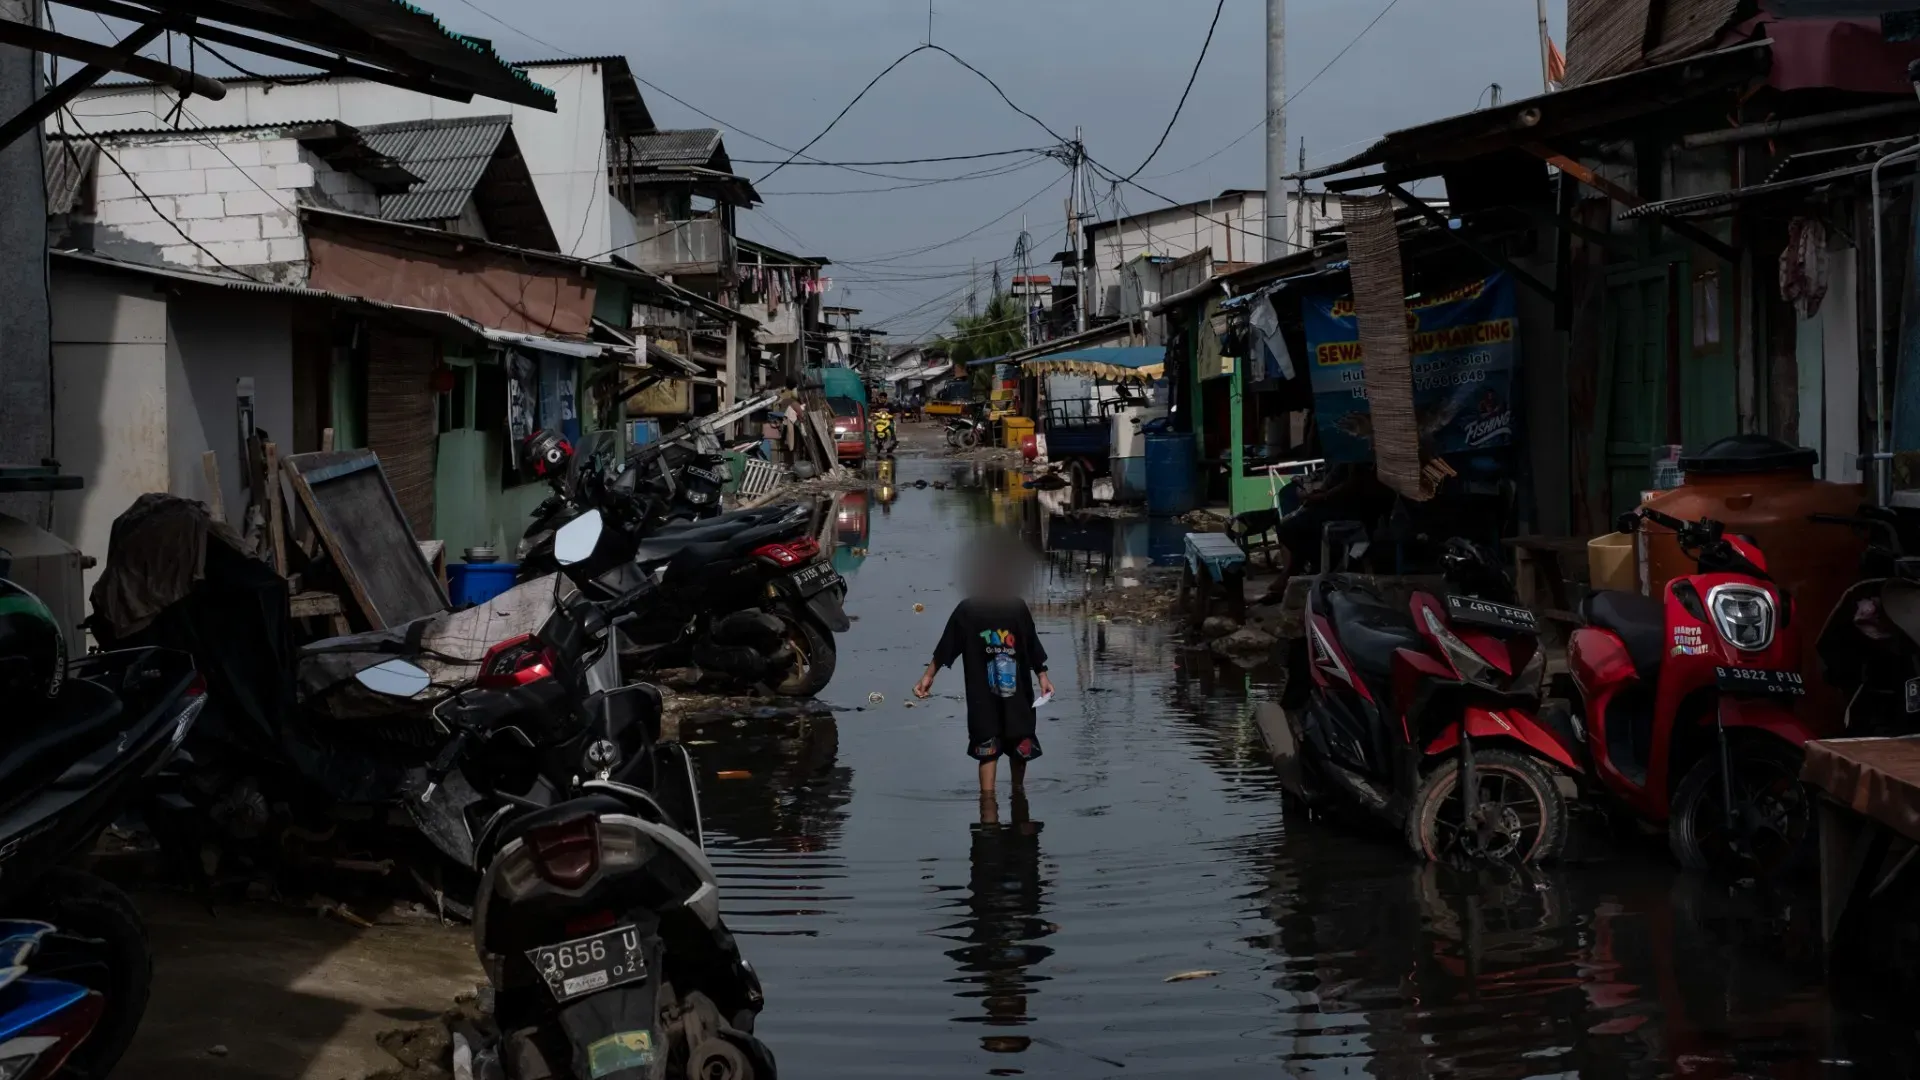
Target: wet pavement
column 904, row 928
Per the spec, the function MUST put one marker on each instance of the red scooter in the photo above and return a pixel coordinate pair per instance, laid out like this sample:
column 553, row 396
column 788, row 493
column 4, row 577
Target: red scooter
column 1426, row 713
column 1689, row 703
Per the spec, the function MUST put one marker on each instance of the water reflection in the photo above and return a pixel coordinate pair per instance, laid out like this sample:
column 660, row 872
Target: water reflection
column 1003, row 923
column 785, row 788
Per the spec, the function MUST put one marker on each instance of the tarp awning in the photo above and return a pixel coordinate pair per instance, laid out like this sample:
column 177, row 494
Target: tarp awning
column 1121, row 363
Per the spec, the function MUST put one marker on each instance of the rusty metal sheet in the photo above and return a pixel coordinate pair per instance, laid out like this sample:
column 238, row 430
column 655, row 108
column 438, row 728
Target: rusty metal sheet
column 1877, row 778
column 486, row 286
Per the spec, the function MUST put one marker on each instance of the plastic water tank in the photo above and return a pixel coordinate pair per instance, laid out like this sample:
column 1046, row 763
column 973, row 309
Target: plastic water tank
column 1173, row 475
column 477, row 583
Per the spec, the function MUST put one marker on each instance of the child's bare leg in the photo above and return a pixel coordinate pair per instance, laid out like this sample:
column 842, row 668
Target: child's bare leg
column 988, row 770
column 989, row 808
column 1019, row 766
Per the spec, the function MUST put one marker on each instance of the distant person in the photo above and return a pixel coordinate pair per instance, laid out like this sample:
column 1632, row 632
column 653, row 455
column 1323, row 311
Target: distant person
column 992, row 632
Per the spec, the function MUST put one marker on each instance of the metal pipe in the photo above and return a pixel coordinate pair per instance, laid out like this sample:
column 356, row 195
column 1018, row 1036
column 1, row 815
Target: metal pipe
column 89, row 52
column 1882, row 461
column 1769, row 128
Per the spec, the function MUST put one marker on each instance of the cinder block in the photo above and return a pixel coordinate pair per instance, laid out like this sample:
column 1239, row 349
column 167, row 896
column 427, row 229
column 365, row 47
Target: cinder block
column 293, row 176
column 278, row 226
column 155, row 157
column 112, row 185
column 293, row 249
column 179, row 182
column 251, row 178
column 255, row 202
column 241, row 252
column 132, row 211
column 231, row 154
column 211, row 230
column 199, row 206
column 279, row 152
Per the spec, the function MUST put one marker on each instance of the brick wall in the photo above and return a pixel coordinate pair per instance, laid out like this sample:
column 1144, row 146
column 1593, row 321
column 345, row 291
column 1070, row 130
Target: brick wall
column 234, row 195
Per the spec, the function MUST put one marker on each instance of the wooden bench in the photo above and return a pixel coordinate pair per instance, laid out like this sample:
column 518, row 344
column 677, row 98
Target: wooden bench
column 1213, row 559
column 1869, row 811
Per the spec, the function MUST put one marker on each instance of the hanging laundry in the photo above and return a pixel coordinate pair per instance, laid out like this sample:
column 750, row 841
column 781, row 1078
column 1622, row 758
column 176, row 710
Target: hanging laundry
column 1264, row 322
column 1803, row 266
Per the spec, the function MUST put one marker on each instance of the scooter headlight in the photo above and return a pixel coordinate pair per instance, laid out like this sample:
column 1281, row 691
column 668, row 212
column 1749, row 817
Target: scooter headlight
column 1744, row 615
column 1468, row 664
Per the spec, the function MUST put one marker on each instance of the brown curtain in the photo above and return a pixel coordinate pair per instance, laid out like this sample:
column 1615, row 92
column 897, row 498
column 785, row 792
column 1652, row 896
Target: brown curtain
column 1380, row 306
column 402, row 424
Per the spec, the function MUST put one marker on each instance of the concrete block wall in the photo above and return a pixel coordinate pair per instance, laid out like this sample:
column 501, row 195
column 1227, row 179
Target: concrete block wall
column 234, row 195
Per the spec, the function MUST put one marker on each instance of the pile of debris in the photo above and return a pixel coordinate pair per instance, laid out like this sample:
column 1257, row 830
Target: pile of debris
column 1149, row 596
column 1256, row 638
column 442, row 1049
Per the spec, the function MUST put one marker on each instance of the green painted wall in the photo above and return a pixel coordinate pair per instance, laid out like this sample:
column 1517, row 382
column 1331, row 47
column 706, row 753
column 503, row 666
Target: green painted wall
column 471, row 507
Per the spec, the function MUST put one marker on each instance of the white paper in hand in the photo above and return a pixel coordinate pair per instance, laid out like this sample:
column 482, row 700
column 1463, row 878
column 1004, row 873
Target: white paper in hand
column 1042, row 700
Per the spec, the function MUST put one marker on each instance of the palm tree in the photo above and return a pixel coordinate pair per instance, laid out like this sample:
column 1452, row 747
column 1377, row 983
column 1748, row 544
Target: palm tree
column 997, row 331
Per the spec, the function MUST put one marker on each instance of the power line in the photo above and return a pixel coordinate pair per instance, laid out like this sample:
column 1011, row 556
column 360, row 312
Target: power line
column 884, row 72
column 1262, row 122
column 1191, row 77
column 897, row 161
column 1000, row 170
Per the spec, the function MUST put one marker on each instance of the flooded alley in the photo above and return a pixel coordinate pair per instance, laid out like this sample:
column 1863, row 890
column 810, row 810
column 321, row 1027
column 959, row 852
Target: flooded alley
column 1152, row 909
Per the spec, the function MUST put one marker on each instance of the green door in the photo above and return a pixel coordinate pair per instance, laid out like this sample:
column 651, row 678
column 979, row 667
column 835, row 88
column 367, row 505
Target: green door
column 1632, row 410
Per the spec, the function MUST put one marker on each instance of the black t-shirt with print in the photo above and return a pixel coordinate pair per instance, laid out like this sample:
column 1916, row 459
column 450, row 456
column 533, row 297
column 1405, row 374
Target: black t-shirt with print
column 999, row 650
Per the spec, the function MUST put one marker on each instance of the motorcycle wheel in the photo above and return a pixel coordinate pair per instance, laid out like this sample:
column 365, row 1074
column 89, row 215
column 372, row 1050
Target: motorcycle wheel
column 86, row 906
column 1523, row 816
column 814, row 656
column 970, row 438
column 1776, row 812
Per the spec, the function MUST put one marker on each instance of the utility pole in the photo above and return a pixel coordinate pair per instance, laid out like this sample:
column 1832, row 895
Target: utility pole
column 1546, row 51
column 1277, row 127
column 1082, row 295
column 1303, row 237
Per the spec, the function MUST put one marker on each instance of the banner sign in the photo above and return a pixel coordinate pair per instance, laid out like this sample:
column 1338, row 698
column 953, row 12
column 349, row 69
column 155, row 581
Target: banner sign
column 1465, row 345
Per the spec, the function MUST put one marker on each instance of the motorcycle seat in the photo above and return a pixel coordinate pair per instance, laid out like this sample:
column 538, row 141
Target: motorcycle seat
column 1371, row 630
column 1640, row 622
column 83, row 719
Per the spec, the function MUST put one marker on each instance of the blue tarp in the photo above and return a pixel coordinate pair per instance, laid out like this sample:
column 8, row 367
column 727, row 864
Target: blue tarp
column 1126, row 356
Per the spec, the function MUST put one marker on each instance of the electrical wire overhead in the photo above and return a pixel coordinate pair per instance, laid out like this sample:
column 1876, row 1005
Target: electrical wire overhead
column 1191, row 77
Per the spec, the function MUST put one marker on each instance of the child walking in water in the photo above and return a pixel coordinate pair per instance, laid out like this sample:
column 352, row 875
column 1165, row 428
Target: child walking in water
column 992, row 633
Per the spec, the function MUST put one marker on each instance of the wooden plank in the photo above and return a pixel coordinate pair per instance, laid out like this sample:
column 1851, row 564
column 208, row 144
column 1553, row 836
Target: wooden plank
column 216, row 502
column 360, row 523
column 326, row 441
column 276, row 513
column 1699, row 237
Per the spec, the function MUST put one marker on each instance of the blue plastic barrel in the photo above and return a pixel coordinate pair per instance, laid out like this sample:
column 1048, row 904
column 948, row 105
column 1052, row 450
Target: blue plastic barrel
column 477, row 583
column 1173, row 475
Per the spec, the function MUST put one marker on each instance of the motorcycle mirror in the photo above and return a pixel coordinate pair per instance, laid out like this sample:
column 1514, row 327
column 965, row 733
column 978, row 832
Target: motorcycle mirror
column 576, row 540
column 395, row 678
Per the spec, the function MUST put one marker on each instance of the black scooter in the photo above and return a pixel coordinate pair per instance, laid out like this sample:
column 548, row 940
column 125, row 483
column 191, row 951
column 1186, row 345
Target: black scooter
column 64, row 777
column 597, row 918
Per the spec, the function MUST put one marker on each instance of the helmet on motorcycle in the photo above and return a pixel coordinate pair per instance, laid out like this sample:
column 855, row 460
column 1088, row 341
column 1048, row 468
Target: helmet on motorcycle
column 33, row 652
column 548, row 454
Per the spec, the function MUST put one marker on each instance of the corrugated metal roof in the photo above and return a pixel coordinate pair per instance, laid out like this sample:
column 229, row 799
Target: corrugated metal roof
column 68, row 166
column 449, row 156
column 692, row 146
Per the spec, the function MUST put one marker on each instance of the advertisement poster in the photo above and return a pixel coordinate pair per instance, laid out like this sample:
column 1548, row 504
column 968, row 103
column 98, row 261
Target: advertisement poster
column 1465, row 346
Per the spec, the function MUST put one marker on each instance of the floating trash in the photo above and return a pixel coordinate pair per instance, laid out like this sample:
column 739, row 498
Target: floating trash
column 1189, row 976
column 733, row 774
column 919, row 608
column 876, row 697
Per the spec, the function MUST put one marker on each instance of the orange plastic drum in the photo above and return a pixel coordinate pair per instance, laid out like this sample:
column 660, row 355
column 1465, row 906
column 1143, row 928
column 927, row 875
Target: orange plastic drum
column 1764, row 488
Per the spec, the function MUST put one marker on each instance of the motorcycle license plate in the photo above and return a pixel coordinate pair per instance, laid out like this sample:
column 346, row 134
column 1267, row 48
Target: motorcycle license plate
column 1760, row 681
column 814, row 579
column 711, row 476
column 1913, row 696
column 1466, row 609
column 588, row 965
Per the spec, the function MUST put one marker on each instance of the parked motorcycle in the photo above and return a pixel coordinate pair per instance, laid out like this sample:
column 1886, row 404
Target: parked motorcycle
column 597, row 918
column 1687, row 703
column 1870, row 645
column 75, row 964
column 753, row 597
column 1423, row 713
column 965, row 433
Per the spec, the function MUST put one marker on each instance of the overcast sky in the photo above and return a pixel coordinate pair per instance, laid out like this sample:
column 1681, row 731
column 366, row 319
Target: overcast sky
column 1115, row 67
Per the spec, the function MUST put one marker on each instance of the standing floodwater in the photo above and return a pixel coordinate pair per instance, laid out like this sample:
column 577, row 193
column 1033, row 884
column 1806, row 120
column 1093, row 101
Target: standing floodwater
column 1150, row 909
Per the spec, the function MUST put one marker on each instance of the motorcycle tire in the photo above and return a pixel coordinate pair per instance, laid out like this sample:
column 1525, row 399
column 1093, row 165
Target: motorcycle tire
column 1764, row 768
column 815, row 656
column 86, row 906
column 1428, row 830
column 970, row 438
